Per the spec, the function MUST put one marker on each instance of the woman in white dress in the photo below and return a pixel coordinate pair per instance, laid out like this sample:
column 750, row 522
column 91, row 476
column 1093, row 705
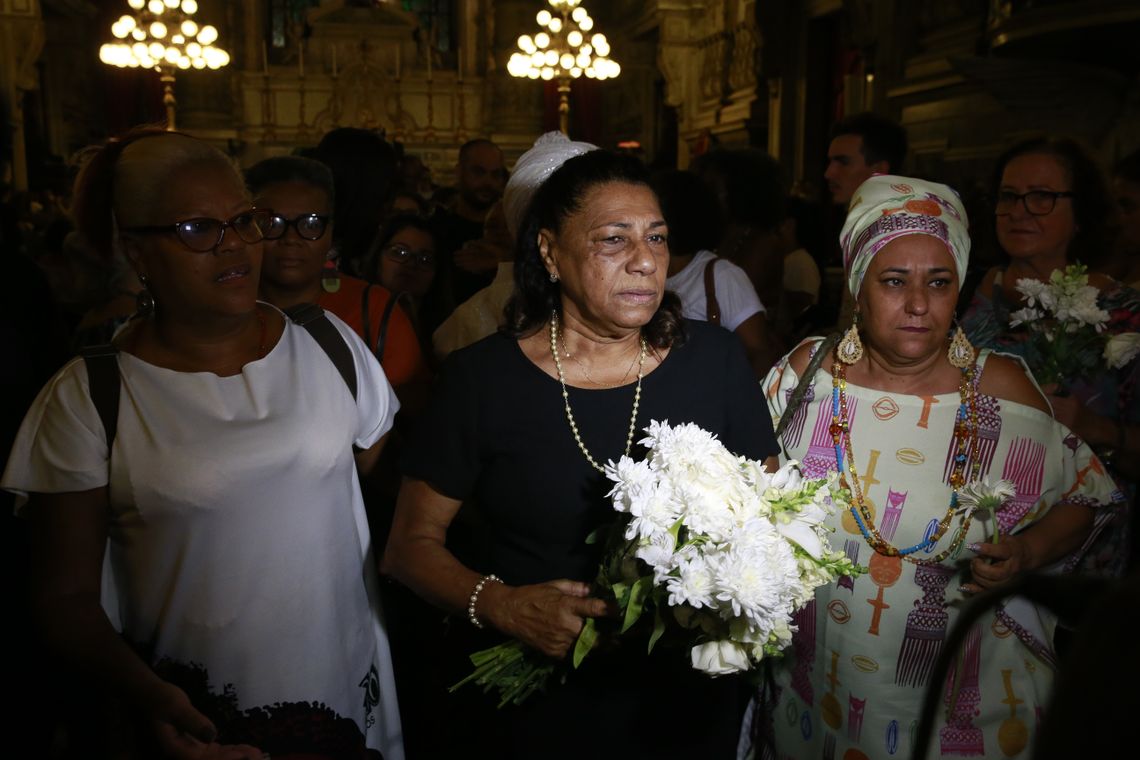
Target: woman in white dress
column 237, row 612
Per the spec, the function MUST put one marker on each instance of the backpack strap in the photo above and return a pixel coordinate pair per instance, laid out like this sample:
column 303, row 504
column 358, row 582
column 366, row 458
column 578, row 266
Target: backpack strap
column 712, row 308
column 385, row 319
column 822, row 351
column 313, row 319
column 365, row 316
column 104, row 385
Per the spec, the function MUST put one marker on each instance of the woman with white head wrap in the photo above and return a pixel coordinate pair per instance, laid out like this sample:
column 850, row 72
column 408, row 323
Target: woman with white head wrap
column 593, row 349
column 912, row 419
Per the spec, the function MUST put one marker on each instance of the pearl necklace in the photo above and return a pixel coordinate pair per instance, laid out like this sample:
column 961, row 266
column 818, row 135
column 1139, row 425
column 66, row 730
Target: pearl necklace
column 566, row 395
column 965, row 445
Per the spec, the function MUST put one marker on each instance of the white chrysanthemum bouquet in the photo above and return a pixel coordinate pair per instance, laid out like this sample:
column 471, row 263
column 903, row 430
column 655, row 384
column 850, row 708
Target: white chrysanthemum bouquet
column 710, row 552
column 1066, row 323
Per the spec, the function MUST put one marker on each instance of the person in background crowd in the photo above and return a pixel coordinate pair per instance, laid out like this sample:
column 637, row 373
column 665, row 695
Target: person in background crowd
column 711, row 289
column 363, row 165
column 1054, row 208
column 943, row 416
column 801, row 272
column 404, row 261
column 223, row 492
column 749, row 187
column 482, row 314
column 480, row 178
column 861, row 145
column 297, row 246
column 592, row 327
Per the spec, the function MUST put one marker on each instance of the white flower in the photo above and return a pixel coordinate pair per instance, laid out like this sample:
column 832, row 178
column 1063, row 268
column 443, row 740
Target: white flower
column 1031, row 289
column 705, row 512
column 719, row 658
column 657, row 551
column 1090, row 314
column 1122, row 349
column 981, row 494
column 1024, row 317
column 758, row 577
column 693, row 584
column 635, row 481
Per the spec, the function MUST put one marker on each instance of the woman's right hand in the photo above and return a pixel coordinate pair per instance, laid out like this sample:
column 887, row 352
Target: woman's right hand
column 183, row 733
column 546, row 616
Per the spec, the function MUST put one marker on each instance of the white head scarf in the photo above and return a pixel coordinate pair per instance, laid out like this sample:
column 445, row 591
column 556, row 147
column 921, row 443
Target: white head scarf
column 532, row 169
column 886, row 207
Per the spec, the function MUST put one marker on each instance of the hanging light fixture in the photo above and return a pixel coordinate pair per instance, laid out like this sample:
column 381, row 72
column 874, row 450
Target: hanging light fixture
column 565, row 50
column 163, row 35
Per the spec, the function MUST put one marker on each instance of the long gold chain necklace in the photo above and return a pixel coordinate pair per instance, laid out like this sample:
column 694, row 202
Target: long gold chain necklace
column 566, row 394
column 965, row 451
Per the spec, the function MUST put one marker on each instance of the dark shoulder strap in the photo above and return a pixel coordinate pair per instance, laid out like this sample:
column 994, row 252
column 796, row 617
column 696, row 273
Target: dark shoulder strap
column 822, row 351
column 382, row 340
column 712, row 308
column 365, row 316
column 312, row 318
column 104, row 385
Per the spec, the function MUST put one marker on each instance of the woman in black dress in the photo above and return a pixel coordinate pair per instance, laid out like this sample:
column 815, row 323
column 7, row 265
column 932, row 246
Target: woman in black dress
column 593, row 350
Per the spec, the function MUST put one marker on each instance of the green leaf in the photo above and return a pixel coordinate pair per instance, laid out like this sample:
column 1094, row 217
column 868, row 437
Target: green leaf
column 636, row 604
column 621, row 593
column 587, row 640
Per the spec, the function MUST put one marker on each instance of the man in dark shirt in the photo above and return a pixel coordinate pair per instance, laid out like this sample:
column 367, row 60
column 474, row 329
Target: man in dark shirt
column 464, row 266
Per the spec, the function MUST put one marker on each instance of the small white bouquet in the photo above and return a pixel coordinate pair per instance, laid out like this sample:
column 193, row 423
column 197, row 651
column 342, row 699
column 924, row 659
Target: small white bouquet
column 717, row 552
column 1066, row 324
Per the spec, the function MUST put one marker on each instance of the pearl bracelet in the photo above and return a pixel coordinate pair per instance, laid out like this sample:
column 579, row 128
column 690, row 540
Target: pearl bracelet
column 490, row 578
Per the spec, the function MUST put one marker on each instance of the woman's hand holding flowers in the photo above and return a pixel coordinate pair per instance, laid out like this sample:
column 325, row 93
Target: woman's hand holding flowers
column 545, row 616
column 999, row 563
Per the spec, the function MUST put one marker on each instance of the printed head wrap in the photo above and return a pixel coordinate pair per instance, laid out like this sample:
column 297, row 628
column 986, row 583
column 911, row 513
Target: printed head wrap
column 887, row 207
column 532, row 169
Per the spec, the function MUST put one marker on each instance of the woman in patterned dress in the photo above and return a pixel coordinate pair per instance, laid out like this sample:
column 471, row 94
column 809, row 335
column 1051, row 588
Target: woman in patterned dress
column 907, row 416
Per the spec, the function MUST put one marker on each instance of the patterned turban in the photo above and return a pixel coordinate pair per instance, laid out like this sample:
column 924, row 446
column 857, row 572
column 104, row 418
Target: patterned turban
column 532, row 169
column 886, row 207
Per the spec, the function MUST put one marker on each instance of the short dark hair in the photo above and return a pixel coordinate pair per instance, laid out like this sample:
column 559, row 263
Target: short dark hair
column 387, row 231
column 690, row 210
column 273, row 171
column 561, row 196
column 883, row 138
column 1093, row 209
column 470, row 145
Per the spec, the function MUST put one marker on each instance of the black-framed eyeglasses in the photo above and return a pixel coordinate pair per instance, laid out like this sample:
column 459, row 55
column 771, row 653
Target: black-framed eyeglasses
column 203, row 234
column 308, row 226
column 404, row 255
column 1037, row 202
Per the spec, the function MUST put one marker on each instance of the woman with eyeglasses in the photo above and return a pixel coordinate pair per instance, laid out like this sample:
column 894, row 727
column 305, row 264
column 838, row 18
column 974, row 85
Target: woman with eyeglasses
column 1053, row 208
column 296, row 266
column 404, row 261
column 204, row 554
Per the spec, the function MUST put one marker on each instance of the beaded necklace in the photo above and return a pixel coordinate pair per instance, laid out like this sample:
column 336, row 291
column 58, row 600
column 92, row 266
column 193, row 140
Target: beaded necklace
column 965, row 450
column 566, row 395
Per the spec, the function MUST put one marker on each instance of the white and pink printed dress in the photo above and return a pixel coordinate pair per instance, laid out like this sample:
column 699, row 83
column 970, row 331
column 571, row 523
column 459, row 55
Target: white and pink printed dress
column 852, row 685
